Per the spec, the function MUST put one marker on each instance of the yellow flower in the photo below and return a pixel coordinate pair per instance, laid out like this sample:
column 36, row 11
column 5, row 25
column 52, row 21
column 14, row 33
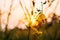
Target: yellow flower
column 41, row 17
column 39, row 32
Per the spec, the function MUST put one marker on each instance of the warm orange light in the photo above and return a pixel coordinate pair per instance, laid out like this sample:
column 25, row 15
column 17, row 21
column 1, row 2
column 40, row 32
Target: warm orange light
column 34, row 22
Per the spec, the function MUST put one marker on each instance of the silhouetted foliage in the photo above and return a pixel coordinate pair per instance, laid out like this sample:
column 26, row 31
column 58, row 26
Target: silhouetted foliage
column 50, row 31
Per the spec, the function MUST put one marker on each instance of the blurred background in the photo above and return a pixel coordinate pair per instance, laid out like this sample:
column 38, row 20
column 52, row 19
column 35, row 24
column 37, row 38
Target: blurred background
column 29, row 19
